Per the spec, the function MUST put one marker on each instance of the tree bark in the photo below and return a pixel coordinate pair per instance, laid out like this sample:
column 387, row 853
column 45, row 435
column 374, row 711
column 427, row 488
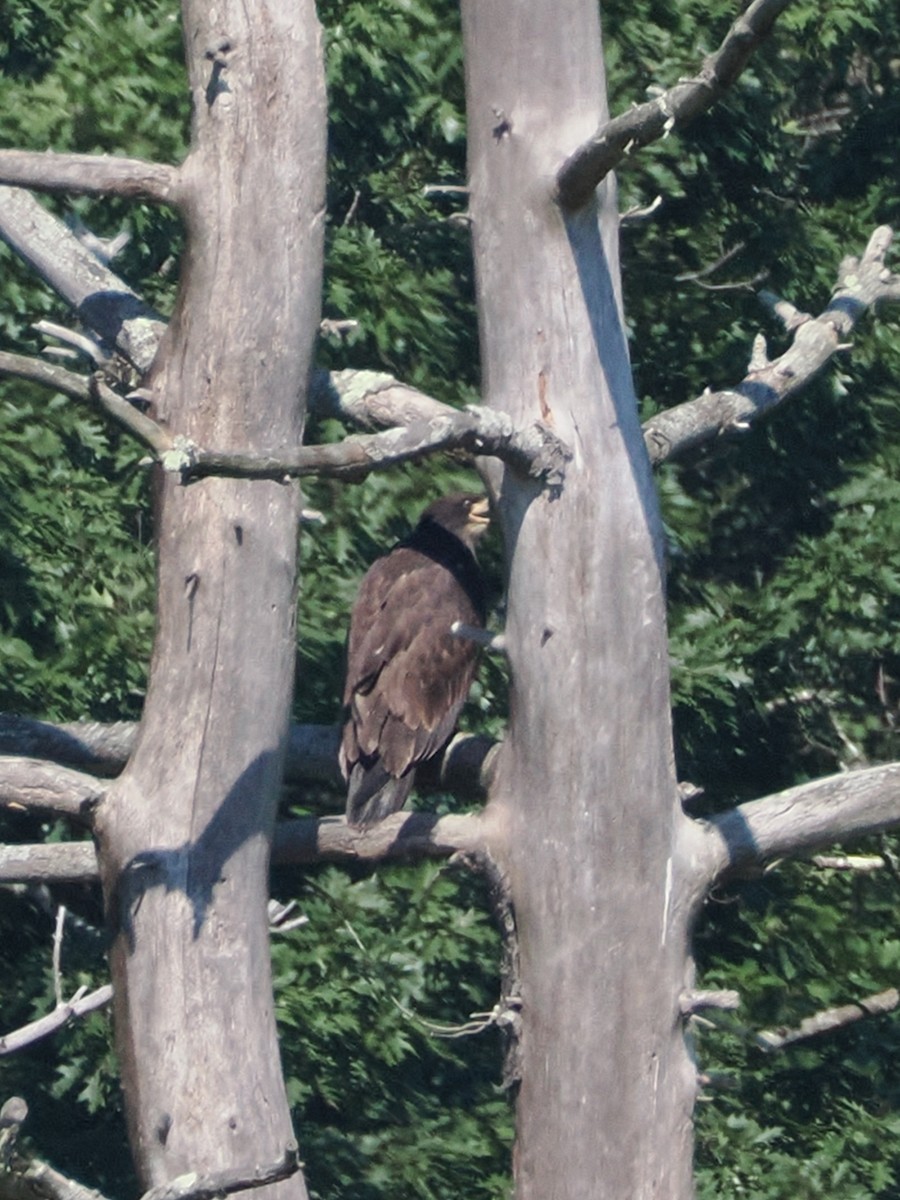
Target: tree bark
column 585, row 812
column 184, row 833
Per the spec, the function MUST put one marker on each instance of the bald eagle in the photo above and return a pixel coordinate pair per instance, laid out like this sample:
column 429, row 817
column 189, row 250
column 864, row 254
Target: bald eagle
column 407, row 675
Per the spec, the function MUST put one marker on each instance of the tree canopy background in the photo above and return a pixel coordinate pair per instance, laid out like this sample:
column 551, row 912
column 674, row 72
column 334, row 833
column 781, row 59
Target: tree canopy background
column 784, row 574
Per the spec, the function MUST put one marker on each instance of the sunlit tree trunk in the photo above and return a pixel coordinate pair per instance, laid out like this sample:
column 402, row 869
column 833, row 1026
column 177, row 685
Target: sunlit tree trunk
column 184, row 836
column 585, row 800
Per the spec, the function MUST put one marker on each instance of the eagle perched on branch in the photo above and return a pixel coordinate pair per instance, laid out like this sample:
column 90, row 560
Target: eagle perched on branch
column 407, row 675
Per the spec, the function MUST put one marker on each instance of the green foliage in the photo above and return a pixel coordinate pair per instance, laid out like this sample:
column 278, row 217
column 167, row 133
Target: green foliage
column 70, row 1080
column 76, row 574
column 396, row 262
column 383, row 1106
column 818, row 1117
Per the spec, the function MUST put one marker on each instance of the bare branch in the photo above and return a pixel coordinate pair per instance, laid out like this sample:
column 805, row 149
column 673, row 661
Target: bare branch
column 331, row 327
column 104, row 749
column 373, row 399
column 57, row 952
column 798, row 820
column 370, row 399
column 711, row 268
column 829, row 1020
column 125, row 414
column 105, row 304
column 592, row 161
column 535, row 451
column 864, row 863
column 38, row 1181
column 861, row 284
column 637, row 213
column 31, row 783
column 55, row 862
column 92, row 389
column 697, row 1001
column 96, row 748
column 224, row 1183
column 792, row 822
column 404, row 836
column 48, row 375
column 464, row 767
column 80, row 1005
column 85, row 346
column 90, row 175
column 445, row 189
column 98, row 296
column 106, row 249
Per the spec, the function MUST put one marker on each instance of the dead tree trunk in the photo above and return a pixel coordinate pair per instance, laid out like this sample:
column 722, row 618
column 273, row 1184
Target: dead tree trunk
column 184, row 834
column 585, row 807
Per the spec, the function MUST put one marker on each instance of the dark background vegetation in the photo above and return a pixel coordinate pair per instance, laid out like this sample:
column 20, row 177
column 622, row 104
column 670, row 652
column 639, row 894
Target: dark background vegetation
column 784, row 577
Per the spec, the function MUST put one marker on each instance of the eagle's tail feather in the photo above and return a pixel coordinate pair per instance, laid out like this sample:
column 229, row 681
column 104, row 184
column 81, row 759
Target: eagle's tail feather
column 373, row 794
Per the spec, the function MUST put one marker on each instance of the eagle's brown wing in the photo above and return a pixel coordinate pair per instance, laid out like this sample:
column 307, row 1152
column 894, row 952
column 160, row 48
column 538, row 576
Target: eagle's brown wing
column 407, row 677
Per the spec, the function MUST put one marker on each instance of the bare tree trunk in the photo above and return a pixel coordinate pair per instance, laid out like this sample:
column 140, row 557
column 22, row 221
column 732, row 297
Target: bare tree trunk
column 184, row 836
column 585, row 810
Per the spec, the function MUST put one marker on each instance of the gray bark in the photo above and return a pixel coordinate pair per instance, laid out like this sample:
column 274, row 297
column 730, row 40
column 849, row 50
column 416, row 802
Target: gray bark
column 585, row 811
column 184, row 833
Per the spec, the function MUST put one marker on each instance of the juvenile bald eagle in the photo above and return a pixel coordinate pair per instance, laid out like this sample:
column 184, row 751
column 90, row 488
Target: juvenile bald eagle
column 407, row 675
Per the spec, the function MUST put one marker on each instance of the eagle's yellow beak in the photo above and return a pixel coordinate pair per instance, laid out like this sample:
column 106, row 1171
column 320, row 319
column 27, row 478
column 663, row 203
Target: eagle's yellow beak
column 480, row 514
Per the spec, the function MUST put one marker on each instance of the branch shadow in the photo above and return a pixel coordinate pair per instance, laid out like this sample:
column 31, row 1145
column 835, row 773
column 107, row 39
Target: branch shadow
column 197, row 867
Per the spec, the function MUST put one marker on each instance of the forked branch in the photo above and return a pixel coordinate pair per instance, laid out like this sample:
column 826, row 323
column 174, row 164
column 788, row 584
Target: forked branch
column 862, row 283
column 82, row 1003
column 591, row 162
column 535, row 451
column 373, row 399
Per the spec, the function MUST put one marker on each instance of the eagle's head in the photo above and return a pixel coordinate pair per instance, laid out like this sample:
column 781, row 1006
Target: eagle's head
column 464, row 514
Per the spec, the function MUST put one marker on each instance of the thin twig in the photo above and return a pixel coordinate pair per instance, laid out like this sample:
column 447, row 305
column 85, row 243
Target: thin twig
column 829, row 1020
column 495, row 642
column 57, row 953
column 125, row 414
column 196, row 1186
column 711, row 268
column 695, row 1001
column 86, row 346
column 80, row 1005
